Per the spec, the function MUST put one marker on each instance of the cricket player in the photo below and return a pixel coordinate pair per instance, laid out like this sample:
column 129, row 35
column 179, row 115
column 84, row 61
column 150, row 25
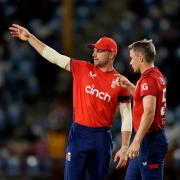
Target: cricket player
column 95, row 98
column 150, row 145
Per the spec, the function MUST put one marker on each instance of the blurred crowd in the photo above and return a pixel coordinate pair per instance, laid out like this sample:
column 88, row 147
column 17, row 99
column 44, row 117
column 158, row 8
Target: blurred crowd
column 36, row 96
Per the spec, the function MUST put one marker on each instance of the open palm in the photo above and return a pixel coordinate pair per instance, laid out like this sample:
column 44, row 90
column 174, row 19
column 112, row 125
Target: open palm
column 19, row 32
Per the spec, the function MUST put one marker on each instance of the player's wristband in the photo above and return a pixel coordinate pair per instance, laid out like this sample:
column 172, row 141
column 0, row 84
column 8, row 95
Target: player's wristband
column 54, row 57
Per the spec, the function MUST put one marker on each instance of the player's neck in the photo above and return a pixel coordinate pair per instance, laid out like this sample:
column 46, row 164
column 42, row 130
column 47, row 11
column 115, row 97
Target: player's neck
column 106, row 68
column 145, row 67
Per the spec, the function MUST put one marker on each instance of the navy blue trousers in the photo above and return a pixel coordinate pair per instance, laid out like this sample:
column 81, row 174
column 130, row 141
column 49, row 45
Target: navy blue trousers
column 88, row 153
column 150, row 162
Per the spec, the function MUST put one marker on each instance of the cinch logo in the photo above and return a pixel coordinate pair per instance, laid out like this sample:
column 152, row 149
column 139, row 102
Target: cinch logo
column 101, row 95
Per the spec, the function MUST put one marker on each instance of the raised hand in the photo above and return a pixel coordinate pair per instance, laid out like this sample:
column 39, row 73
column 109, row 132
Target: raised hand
column 19, row 32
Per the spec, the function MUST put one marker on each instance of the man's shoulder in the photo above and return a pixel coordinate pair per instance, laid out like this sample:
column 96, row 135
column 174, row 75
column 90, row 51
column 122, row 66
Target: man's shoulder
column 149, row 80
column 81, row 66
column 155, row 73
column 155, row 77
column 81, row 62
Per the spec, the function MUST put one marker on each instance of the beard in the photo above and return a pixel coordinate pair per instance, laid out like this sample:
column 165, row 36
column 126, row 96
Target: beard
column 100, row 63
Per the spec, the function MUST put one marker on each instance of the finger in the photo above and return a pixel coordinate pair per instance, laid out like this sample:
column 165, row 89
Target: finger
column 121, row 164
column 120, row 75
column 118, row 166
column 128, row 152
column 14, row 34
column 117, row 81
column 115, row 158
column 13, row 28
column 18, row 26
column 130, row 155
column 116, row 74
column 135, row 153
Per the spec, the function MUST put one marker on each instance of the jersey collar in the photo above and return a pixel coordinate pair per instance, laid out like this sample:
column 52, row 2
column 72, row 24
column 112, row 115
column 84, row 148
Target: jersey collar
column 147, row 71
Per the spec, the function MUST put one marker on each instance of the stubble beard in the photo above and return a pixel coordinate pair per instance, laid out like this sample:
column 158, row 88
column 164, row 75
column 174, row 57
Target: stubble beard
column 100, row 64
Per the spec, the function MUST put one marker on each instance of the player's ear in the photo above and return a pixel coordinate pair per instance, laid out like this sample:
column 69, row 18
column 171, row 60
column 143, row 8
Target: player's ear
column 141, row 58
column 112, row 54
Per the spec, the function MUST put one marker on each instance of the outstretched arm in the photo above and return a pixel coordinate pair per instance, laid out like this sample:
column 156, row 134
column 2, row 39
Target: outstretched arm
column 48, row 53
column 126, row 129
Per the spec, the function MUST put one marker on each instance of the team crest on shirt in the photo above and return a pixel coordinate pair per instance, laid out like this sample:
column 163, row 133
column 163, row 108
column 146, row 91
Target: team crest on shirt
column 113, row 84
column 92, row 75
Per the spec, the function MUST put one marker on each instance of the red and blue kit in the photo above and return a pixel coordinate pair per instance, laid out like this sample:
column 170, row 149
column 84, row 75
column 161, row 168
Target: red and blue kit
column 95, row 98
column 150, row 161
column 95, row 95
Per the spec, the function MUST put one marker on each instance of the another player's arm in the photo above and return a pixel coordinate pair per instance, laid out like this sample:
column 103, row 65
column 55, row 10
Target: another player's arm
column 126, row 129
column 126, row 124
column 131, row 88
column 47, row 52
column 124, row 82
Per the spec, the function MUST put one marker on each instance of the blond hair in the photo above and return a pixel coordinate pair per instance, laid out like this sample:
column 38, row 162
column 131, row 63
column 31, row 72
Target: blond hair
column 146, row 47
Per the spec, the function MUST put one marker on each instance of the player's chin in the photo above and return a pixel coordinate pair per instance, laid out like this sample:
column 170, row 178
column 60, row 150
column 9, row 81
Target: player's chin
column 134, row 69
column 96, row 63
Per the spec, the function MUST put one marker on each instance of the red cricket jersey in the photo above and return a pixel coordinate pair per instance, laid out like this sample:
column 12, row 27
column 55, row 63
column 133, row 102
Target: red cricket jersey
column 151, row 83
column 95, row 94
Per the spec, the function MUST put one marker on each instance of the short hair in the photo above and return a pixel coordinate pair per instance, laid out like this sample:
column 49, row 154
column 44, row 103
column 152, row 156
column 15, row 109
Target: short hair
column 146, row 47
